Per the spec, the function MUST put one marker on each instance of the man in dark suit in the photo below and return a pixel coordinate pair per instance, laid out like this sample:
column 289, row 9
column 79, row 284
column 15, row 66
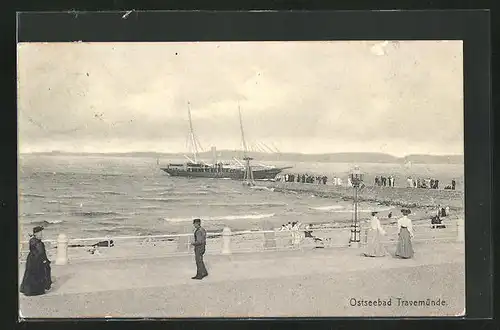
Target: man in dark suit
column 200, row 239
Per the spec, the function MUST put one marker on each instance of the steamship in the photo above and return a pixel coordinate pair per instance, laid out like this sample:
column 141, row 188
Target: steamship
column 195, row 168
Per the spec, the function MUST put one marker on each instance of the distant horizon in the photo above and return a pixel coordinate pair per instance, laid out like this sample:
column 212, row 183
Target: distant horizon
column 240, row 151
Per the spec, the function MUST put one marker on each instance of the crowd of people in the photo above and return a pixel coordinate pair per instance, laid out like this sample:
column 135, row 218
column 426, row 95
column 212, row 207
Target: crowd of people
column 313, row 179
column 382, row 181
column 302, row 178
column 379, row 181
column 428, row 183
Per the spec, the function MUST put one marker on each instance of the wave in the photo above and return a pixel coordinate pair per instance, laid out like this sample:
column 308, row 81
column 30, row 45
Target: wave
column 76, row 196
column 184, row 193
column 55, row 202
column 52, row 221
column 158, row 199
column 225, row 217
column 109, row 192
column 99, row 229
column 156, row 189
column 149, row 207
column 113, row 219
column 24, row 215
column 269, row 204
column 327, row 208
column 94, row 213
column 45, row 222
column 32, row 195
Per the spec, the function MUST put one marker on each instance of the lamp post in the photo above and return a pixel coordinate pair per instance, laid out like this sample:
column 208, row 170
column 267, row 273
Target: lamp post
column 248, row 172
column 356, row 179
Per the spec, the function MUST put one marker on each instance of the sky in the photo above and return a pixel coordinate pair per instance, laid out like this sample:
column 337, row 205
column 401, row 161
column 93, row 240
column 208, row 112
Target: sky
column 399, row 98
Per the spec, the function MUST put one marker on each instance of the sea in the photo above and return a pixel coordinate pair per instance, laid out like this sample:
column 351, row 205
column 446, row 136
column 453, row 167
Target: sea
column 106, row 196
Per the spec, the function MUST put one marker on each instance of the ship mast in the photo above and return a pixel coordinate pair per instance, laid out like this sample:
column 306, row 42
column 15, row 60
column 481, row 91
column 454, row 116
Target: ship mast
column 248, row 168
column 245, row 149
column 192, row 136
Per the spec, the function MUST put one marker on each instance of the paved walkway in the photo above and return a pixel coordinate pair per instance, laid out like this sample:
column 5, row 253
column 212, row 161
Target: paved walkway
column 295, row 283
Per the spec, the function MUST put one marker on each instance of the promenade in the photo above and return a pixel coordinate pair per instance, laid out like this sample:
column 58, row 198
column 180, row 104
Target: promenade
column 318, row 282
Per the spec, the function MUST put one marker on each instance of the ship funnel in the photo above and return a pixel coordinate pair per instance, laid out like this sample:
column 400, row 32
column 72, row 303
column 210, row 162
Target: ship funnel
column 214, row 155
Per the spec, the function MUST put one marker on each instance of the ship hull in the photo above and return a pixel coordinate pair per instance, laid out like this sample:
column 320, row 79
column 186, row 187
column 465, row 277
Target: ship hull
column 265, row 174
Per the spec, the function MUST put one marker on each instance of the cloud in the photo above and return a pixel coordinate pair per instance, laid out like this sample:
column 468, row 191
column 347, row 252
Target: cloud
column 359, row 96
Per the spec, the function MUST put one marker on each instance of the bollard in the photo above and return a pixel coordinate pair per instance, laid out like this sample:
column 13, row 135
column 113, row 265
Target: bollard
column 226, row 240
column 460, row 230
column 269, row 236
column 183, row 242
column 270, row 240
column 62, row 250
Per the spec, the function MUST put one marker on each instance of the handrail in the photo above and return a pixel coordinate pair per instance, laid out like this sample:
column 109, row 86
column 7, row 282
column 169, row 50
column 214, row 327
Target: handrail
column 243, row 232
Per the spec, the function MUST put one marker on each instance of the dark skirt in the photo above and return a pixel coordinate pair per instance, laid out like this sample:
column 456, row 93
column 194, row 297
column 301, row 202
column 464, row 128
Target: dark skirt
column 404, row 248
column 37, row 276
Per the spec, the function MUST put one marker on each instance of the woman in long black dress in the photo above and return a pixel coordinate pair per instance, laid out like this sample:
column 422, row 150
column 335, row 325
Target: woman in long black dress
column 37, row 275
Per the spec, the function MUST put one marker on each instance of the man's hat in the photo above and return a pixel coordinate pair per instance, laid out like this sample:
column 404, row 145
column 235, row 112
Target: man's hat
column 37, row 229
column 197, row 220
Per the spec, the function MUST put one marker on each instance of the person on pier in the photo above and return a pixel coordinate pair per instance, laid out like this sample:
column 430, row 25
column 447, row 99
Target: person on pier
column 404, row 249
column 375, row 248
column 296, row 235
column 37, row 275
column 200, row 239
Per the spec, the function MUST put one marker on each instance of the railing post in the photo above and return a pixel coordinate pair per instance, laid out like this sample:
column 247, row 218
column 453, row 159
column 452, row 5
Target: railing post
column 226, row 240
column 460, row 230
column 183, row 242
column 269, row 236
column 270, row 240
column 62, row 250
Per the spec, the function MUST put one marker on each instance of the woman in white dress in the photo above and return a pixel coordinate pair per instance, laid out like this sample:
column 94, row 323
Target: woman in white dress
column 296, row 235
column 404, row 248
column 375, row 248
